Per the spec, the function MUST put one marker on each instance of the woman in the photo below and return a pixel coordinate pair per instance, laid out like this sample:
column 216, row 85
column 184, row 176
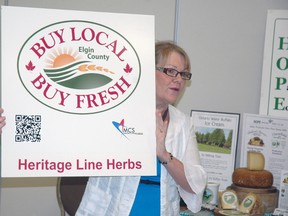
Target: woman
column 179, row 172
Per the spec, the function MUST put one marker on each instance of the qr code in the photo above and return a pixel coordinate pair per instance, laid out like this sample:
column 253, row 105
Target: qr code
column 28, row 128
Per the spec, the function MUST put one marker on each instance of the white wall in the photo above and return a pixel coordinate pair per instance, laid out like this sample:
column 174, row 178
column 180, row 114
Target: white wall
column 225, row 41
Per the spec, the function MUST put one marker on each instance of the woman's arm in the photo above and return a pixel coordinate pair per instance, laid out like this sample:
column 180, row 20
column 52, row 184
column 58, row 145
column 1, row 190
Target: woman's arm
column 172, row 164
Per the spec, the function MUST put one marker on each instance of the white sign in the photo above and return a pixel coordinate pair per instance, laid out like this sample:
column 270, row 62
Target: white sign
column 274, row 89
column 268, row 135
column 75, row 85
column 217, row 135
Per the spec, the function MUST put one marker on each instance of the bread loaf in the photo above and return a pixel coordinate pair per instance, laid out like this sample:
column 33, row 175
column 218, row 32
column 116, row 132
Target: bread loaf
column 252, row 178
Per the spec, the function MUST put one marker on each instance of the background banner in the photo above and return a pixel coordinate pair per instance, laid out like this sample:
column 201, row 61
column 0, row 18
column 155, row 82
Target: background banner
column 75, row 86
column 274, row 88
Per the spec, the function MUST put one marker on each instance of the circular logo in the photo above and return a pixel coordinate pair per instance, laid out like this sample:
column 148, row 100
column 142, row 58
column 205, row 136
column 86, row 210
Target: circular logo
column 229, row 197
column 207, row 196
column 79, row 67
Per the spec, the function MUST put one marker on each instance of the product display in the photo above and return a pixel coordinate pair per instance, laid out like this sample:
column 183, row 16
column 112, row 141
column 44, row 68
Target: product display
column 251, row 192
column 251, row 204
column 267, row 198
column 248, row 203
column 229, row 200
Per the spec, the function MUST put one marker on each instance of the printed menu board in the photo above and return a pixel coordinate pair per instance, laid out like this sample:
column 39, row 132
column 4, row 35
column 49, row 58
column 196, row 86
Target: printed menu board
column 268, row 135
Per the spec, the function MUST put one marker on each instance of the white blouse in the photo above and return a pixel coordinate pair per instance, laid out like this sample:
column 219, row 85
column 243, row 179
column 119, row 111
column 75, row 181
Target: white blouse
column 110, row 196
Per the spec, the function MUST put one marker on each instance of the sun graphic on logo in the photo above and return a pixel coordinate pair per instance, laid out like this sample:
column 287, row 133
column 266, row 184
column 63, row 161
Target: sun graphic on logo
column 63, row 59
column 68, row 69
column 60, row 58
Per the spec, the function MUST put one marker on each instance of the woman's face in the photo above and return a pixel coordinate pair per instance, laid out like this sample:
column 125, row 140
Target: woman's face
column 169, row 88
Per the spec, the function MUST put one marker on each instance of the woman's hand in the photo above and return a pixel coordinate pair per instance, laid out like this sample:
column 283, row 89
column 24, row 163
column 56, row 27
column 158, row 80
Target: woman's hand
column 173, row 165
column 2, row 120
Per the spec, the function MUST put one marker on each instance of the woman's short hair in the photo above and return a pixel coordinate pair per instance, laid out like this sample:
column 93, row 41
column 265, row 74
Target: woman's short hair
column 163, row 50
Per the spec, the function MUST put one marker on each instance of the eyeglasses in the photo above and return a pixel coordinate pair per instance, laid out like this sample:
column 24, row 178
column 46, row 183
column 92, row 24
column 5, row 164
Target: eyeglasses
column 174, row 73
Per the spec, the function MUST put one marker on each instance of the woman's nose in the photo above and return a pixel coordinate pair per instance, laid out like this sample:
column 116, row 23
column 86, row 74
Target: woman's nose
column 178, row 77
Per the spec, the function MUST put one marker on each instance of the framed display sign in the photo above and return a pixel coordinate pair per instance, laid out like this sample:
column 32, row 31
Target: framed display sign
column 73, row 86
column 274, row 94
column 217, row 135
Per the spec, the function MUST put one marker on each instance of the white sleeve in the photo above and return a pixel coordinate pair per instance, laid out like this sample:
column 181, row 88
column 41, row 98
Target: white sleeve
column 195, row 174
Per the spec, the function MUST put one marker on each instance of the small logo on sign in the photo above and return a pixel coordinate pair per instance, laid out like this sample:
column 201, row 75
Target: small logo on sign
column 125, row 130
